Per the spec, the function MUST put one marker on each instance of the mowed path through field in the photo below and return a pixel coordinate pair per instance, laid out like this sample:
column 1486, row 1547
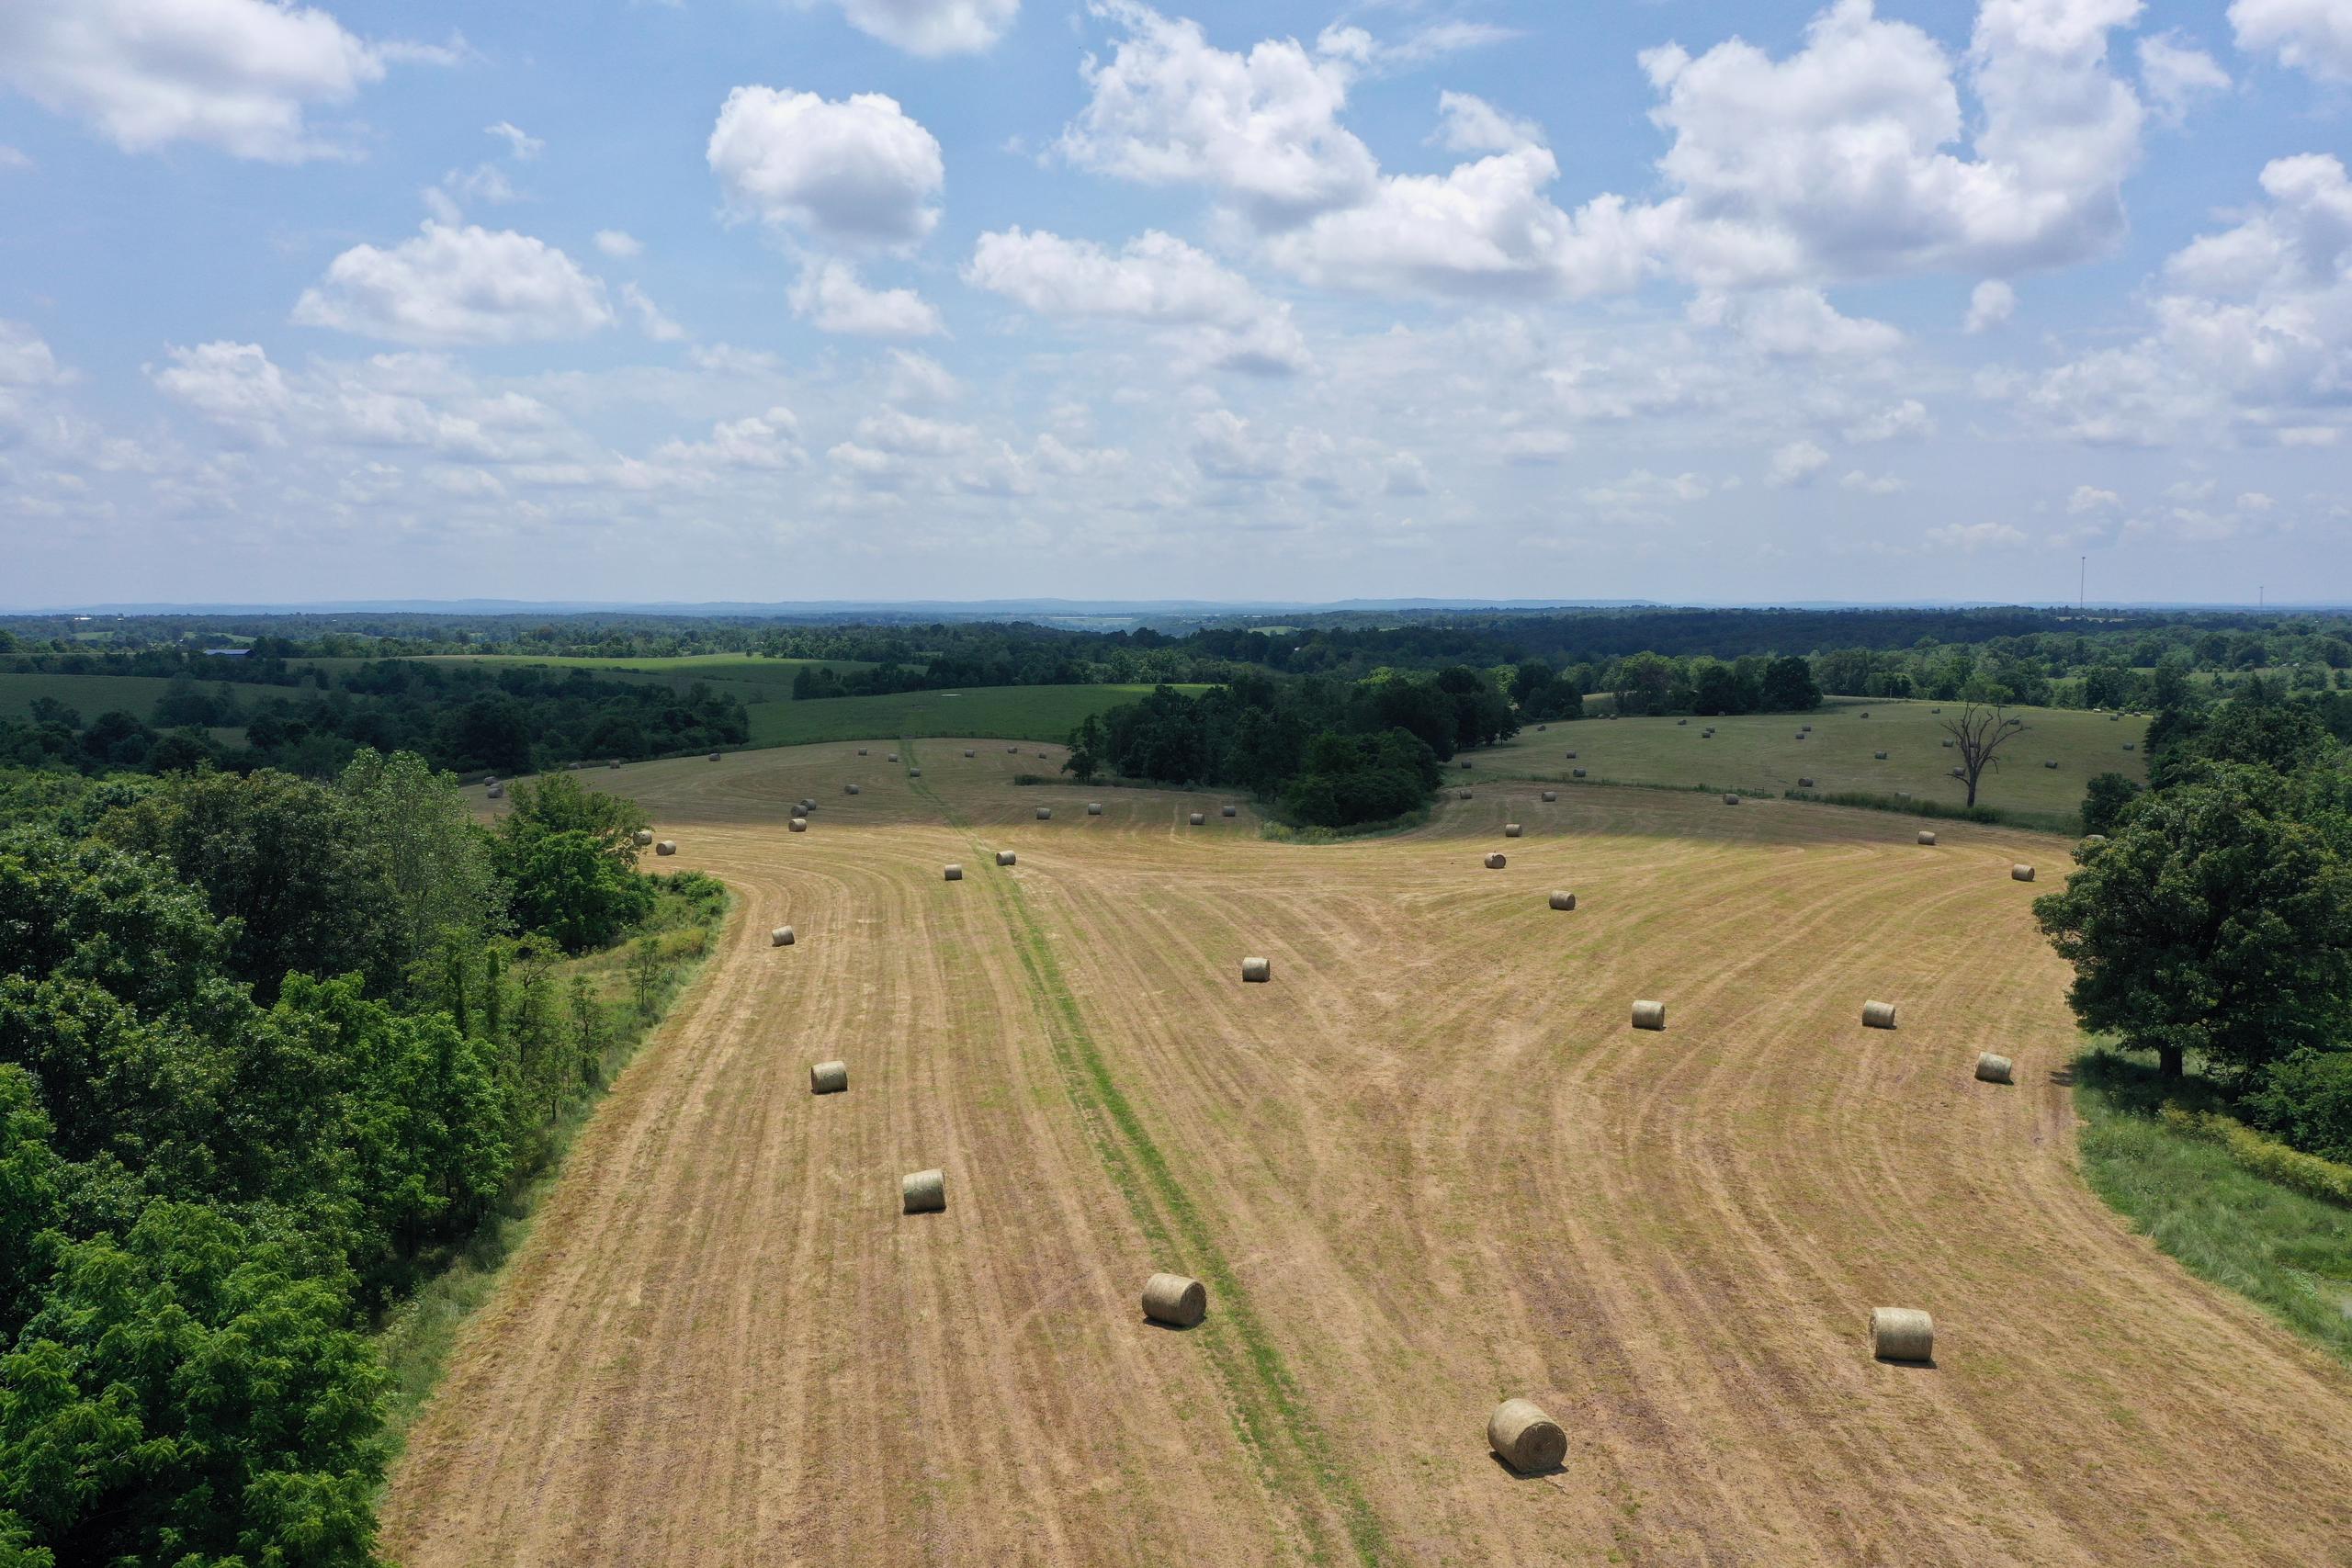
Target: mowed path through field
column 1427, row 1168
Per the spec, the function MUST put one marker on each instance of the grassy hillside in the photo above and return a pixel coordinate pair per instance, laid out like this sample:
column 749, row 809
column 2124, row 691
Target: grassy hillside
column 1761, row 751
column 1015, row 712
column 92, row 694
column 768, row 680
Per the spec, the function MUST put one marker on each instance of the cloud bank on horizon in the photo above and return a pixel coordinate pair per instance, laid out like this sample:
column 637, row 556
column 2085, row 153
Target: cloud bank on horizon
column 958, row 299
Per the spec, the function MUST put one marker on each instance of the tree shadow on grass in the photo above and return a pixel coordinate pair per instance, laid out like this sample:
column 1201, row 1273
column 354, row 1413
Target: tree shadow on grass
column 2134, row 1086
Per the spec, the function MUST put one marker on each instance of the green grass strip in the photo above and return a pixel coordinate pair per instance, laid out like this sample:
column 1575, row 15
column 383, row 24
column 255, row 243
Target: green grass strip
column 1262, row 1394
column 2147, row 1151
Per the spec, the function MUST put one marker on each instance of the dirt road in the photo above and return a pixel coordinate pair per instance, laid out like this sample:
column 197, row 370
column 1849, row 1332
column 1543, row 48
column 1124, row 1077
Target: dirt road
column 1427, row 1168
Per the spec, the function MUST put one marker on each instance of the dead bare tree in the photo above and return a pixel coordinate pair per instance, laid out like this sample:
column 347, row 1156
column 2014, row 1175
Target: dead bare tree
column 1978, row 732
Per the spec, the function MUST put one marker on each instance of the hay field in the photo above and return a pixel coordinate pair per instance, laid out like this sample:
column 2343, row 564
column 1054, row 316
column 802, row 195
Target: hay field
column 1761, row 751
column 1427, row 1168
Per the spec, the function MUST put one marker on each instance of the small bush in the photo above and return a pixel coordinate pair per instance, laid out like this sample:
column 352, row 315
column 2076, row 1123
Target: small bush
column 2307, row 1100
column 2265, row 1158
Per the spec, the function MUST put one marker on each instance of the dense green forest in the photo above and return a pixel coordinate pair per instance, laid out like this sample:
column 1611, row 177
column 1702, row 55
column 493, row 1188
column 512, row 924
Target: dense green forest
column 511, row 720
column 270, row 1048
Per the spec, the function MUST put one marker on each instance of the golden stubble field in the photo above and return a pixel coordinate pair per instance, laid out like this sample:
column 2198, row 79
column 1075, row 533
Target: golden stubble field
column 1427, row 1168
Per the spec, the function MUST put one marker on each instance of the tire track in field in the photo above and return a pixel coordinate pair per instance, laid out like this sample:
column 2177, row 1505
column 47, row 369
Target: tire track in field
column 1265, row 1399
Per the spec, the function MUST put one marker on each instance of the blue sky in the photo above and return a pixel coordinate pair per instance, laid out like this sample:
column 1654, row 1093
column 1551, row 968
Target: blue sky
column 963, row 299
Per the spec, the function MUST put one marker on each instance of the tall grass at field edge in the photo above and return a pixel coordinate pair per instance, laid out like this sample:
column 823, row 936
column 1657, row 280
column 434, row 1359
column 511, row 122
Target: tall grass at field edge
column 2158, row 1152
column 418, row 1336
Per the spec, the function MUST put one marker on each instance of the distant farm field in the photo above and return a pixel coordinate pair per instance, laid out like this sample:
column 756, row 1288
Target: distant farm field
column 769, row 680
column 89, row 694
column 1761, row 753
column 1011, row 713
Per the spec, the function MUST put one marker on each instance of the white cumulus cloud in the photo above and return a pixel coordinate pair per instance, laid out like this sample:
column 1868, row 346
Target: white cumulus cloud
column 240, row 75
column 1991, row 303
column 831, row 296
column 1796, row 464
column 452, row 285
column 858, row 172
column 930, row 27
column 1263, row 128
column 2309, row 35
column 1155, row 279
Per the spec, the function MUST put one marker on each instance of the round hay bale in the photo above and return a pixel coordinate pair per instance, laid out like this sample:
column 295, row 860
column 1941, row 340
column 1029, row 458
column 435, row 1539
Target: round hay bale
column 955, row 873
column 971, row 753
column 861, row 751
column 1649, row 1015
column 1799, row 734
column 829, row 1077
column 1902, row 795
column 1495, row 861
column 1466, row 762
column 1462, row 794
column 1572, row 756
column 1006, row 857
column 1681, row 721
column 1199, row 817
column 1926, row 837
column 713, row 756
column 1257, row 971
column 1995, row 1069
column 1094, row 809
column 1731, row 800
column 497, row 792
column 798, row 811
column 2131, row 746
column 2115, row 718
column 1044, row 814
column 1902, row 1334
column 925, row 1193
column 807, row 803
column 1541, row 727
column 1525, row 1438
column 1948, row 745
column 799, row 823
column 1510, row 830
column 914, row 773
column 614, row 763
column 1042, row 758
column 1175, row 1300
column 1880, row 755
column 1551, row 795
column 2050, row 763
column 1804, row 784
column 1866, row 713
column 2021, row 872
column 853, row 789
column 1230, row 811
column 1564, row 899
column 1012, row 750
column 1576, row 772
column 666, row 847
column 894, row 756
column 1878, row 1015
column 781, row 937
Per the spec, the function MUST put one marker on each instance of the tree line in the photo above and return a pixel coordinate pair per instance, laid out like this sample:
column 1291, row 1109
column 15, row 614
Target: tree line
column 272, row 1048
column 514, row 720
column 2210, row 920
column 1336, row 753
